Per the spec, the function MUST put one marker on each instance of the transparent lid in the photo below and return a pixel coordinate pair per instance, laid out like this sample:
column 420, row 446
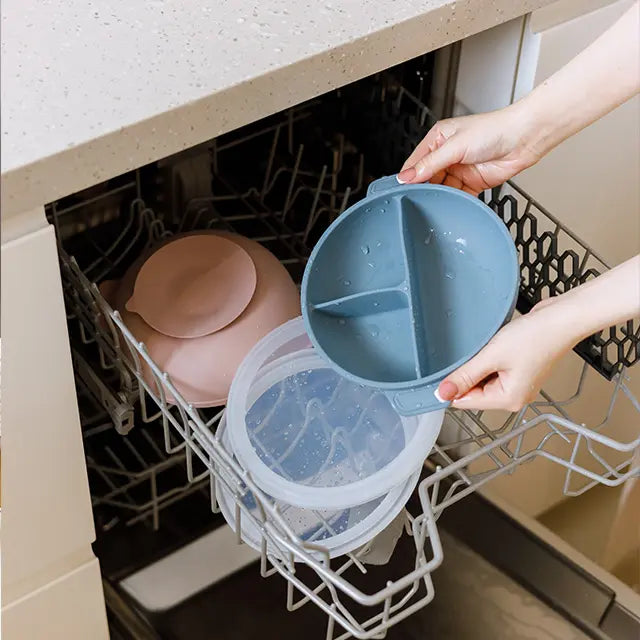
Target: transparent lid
column 339, row 531
column 315, row 428
column 314, row 439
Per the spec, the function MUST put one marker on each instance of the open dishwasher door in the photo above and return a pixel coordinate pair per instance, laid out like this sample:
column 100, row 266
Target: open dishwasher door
column 505, row 577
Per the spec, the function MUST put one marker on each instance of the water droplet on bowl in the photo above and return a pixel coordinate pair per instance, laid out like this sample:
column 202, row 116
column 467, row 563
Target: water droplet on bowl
column 346, row 283
column 367, row 210
column 386, row 202
column 449, row 313
column 382, row 210
column 371, row 264
column 450, row 276
column 365, row 249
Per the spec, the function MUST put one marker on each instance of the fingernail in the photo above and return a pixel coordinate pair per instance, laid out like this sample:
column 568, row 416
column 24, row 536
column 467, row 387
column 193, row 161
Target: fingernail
column 406, row 176
column 438, row 396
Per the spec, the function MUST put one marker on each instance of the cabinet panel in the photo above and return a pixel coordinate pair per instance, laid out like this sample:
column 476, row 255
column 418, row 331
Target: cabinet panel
column 45, row 497
column 70, row 608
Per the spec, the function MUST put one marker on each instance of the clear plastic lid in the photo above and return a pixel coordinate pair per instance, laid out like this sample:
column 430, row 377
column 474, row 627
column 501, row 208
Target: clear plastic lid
column 313, row 438
column 339, row 531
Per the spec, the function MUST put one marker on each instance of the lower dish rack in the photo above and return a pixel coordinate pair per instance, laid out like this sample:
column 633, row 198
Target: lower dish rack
column 286, row 210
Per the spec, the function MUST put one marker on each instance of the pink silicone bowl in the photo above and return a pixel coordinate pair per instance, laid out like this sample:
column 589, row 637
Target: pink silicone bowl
column 202, row 368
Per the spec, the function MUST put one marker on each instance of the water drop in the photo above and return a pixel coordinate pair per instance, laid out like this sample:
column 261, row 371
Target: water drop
column 371, row 264
column 382, row 210
column 449, row 313
column 386, row 202
column 450, row 276
column 346, row 283
column 461, row 241
column 378, row 244
column 428, row 237
column 367, row 210
column 376, row 304
column 365, row 249
column 374, row 333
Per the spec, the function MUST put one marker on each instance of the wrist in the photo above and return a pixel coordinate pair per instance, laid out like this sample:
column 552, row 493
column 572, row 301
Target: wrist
column 539, row 129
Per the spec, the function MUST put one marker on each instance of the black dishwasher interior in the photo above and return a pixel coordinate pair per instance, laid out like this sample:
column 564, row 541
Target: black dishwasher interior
column 281, row 181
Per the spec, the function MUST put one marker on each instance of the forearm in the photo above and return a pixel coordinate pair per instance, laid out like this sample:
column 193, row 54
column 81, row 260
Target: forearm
column 610, row 299
column 600, row 78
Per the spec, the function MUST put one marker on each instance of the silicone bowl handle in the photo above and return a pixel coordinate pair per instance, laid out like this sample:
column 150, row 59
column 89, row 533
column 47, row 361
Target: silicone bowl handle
column 414, row 402
column 383, row 184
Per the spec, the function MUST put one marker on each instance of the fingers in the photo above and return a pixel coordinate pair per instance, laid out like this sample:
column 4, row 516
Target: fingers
column 543, row 303
column 431, row 141
column 468, row 376
column 431, row 164
column 492, row 395
column 453, row 181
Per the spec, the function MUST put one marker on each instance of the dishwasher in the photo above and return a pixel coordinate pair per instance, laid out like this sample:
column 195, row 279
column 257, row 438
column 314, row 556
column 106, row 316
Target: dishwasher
column 153, row 466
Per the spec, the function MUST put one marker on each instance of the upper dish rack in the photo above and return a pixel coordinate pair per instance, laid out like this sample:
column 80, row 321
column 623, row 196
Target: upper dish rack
column 286, row 208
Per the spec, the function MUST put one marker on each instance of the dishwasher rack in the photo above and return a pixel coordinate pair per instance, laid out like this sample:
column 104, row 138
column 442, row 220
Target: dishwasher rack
column 286, row 209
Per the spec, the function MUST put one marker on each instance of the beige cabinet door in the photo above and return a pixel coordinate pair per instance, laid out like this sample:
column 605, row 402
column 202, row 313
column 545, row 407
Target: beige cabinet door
column 47, row 523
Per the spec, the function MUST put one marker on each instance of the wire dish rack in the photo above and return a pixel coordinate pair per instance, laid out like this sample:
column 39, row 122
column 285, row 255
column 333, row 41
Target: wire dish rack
column 285, row 204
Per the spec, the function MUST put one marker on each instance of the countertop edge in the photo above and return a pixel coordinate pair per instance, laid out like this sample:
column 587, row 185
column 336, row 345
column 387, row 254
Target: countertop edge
column 99, row 159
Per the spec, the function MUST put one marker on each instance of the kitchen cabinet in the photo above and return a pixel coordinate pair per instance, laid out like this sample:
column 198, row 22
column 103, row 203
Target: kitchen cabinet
column 70, row 606
column 47, row 527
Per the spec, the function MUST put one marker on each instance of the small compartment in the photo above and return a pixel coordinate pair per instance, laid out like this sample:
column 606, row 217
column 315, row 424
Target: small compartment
column 372, row 259
column 379, row 346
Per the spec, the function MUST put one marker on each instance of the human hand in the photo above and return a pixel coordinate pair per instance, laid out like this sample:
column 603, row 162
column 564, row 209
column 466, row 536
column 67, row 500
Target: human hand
column 509, row 372
column 474, row 153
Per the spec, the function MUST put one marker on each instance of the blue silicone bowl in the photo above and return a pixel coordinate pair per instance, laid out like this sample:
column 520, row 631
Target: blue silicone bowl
column 407, row 285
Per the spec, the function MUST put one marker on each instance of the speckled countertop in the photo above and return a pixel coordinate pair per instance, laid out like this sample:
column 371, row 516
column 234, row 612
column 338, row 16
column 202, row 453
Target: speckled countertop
column 91, row 89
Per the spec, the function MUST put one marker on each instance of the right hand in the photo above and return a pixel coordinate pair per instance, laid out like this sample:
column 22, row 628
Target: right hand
column 473, row 153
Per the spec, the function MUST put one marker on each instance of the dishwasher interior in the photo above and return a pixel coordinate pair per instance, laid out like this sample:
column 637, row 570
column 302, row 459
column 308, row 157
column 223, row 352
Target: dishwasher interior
column 154, row 467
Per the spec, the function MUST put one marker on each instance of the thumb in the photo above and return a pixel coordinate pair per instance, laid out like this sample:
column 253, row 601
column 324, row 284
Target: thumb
column 450, row 153
column 466, row 377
